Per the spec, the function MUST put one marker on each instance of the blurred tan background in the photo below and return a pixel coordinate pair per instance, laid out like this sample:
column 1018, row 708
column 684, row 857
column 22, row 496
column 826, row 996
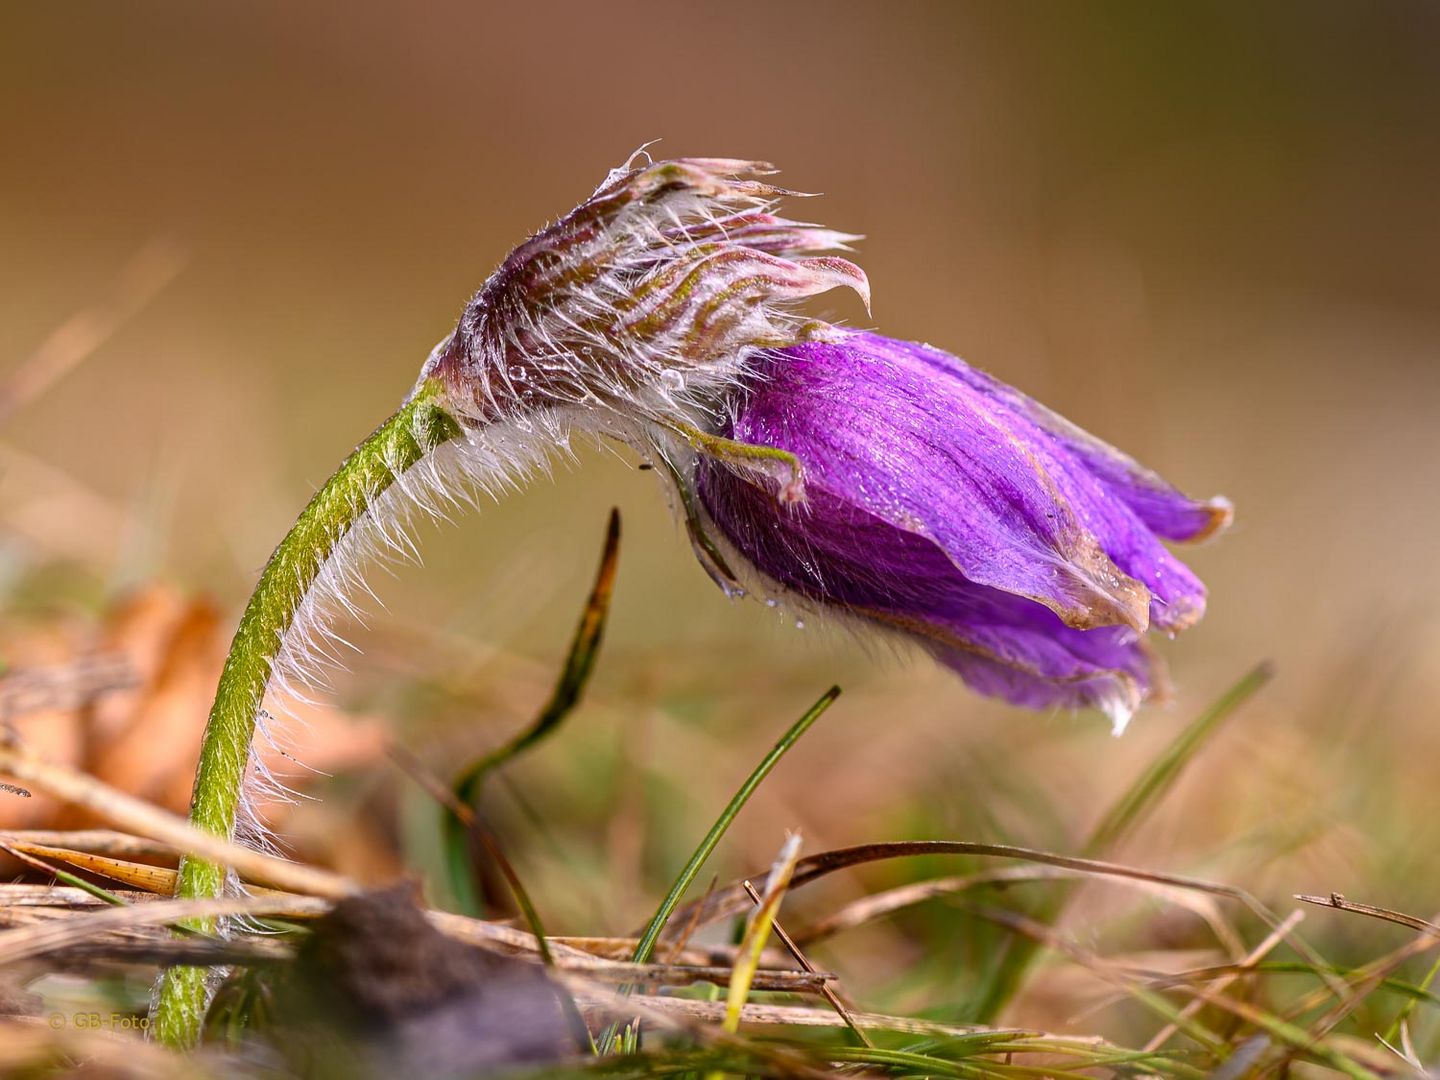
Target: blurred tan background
column 1207, row 233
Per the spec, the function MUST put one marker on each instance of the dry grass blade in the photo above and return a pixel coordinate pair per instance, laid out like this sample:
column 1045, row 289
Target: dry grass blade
column 682, row 939
column 621, row 973
column 1364, row 981
column 84, row 924
column 63, row 686
column 473, row 827
column 1221, row 984
column 153, row 879
column 492, row 934
column 826, row 990
column 661, row 1012
column 135, row 815
column 731, row 900
column 711, row 1012
column 879, row 905
column 1339, row 903
column 146, row 944
column 51, row 936
column 758, row 930
column 94, row 842
column 1296, row 1038
column 162, row 951
column 692, row 954
column 64, row 876
column 68, row 930
column 1126, row 980
column 16, row 895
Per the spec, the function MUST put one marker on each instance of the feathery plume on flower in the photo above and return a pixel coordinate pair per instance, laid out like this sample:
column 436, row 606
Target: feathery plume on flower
column 637, row 316
column 640, row 310
column 948, row 507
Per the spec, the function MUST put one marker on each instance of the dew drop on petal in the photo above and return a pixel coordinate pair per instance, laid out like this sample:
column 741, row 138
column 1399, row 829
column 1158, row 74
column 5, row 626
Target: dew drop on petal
column 672, row 379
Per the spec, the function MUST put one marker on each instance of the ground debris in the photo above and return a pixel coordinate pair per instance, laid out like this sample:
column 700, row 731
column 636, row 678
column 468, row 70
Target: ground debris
column 376, row 990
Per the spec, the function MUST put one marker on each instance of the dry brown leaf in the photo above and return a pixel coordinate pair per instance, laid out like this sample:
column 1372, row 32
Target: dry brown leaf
column 126, row 700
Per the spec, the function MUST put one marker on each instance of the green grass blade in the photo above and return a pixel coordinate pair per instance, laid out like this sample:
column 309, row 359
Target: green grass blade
column 579, row 664
column 1150, row 787
column 645, row 948
column 1016, row 955
column 1416, row 994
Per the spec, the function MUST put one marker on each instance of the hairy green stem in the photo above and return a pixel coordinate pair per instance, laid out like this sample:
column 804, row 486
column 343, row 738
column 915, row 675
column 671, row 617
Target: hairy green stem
column 415, row 429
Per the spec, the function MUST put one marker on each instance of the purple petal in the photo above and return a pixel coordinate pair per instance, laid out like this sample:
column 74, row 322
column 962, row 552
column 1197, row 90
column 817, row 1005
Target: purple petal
column 838, row 555
column 1111, row 493
column 1164, row 510
column 926, row 443
column 878, row 426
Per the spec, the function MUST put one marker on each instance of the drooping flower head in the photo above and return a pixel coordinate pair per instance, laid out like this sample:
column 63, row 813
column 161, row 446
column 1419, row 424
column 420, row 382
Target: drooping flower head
column 884, row 482
column 950, row 508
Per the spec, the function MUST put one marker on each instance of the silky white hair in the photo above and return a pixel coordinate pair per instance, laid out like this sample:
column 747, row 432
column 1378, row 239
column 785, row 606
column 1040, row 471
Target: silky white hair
column 635, row 318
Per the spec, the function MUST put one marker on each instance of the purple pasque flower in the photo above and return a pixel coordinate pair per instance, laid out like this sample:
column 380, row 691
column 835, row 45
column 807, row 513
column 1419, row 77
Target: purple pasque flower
column 879, row 480
column 951, row 509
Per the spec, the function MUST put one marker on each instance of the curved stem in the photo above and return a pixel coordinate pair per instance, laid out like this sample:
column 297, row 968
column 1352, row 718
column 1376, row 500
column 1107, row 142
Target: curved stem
column 415, row 429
